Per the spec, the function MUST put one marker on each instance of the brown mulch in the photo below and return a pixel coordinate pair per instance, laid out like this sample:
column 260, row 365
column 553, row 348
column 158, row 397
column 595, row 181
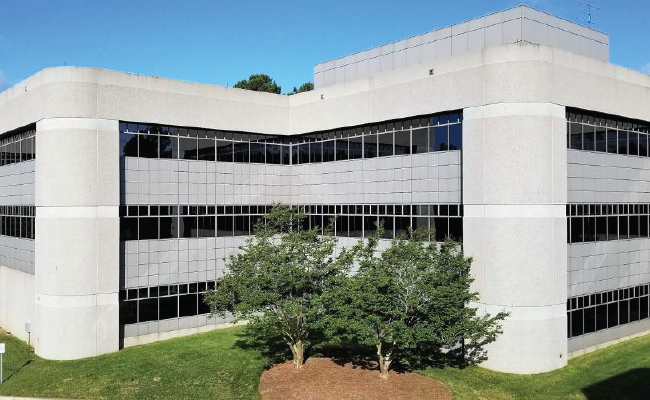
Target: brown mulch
column 323, row 379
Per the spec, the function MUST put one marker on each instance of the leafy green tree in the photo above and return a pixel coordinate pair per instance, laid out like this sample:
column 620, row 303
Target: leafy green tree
column 407, row 302
column 275, row 278
column 305, row 87
column 259, row 83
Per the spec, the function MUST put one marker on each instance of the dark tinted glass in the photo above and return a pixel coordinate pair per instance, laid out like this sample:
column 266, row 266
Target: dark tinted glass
column 622, row 142
column 168, row 307
column 328, row 151
column 356, row 147
column 148, row 146
column 420, row 140
column 303, row 153
column 188, row 227
column 206, row 149
column 128, row 312
column 224, row 151
column 206, row 226
column 370, row 146
column 402, row 142
column 128, row 145
column 148, row 310
column 128, row 228
column 633, row 143
column 241, row 152
column 187, row 148
column 575, row 133
column 341, row 149
column 148, row 228
column 273, row 153
column 643, row 145
column 257, row 153
column 612, row 141
column 385, row 144
column 224, row 226
column 440, row 138
column 440, row 226
column 456, row 137
column 588, row 138
column 168, row 147
column 187, row 305
column 601, row 139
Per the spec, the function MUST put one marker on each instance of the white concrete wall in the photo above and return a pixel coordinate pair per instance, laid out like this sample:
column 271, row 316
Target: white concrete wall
column 514, row 195
column 515, row 25
column 16, row 301
column 77, row 246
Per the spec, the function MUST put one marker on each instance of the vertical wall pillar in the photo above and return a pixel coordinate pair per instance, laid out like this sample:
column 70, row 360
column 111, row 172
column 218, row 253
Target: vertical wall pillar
column 77, row 238
column 514, row 195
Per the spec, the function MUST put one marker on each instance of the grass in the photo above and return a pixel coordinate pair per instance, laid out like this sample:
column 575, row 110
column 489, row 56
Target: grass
column 203, row 366
column 209, row 365
column 618, row 372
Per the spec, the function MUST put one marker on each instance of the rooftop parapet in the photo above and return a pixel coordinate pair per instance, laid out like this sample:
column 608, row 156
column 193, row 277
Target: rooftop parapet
column 516, row 25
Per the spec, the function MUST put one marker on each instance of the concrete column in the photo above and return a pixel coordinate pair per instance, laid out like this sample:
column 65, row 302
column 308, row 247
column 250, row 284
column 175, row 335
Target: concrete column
column 77, row 237
column 514, row 195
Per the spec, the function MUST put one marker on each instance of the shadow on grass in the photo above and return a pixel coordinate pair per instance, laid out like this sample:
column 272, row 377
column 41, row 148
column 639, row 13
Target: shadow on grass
column 273, row 349
column 631, row 385
column 17, row 371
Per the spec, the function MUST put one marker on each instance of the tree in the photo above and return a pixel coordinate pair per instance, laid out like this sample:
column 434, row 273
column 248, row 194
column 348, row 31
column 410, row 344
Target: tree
column 408, row 302
column 305, row 87
column 276, row 277
column 259, row 83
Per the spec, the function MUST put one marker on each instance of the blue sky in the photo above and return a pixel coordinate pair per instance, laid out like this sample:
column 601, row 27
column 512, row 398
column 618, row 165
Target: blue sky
column 221, row 42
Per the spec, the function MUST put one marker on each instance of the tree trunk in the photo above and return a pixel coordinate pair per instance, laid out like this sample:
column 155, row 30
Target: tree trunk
column 297, row 350
column 384, row 363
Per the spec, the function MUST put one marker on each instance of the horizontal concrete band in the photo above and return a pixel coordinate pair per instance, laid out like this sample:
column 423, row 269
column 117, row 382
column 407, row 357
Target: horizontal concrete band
column 89, row 300
column 514, row 109
column 525, row 313
column 77, row 123
column 77, row 212
column 514, row 210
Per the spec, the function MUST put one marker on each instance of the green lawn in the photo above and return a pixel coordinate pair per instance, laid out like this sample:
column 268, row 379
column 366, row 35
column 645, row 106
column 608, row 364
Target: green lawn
column 210, row 366
column 618, row 372
column 204, row 366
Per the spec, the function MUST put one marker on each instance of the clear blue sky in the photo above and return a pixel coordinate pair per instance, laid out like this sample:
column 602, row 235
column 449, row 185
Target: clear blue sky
column 220, row 42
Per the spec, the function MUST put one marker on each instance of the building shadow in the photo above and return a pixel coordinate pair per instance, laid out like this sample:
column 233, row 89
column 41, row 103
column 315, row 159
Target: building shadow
column 630, row 385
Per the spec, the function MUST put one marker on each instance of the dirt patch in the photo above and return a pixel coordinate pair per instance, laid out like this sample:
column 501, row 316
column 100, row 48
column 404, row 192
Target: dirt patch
column 323, row 379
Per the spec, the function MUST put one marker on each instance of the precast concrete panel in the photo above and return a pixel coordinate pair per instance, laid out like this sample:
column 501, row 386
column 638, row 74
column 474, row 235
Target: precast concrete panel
column 514, row 226
column 77, row 251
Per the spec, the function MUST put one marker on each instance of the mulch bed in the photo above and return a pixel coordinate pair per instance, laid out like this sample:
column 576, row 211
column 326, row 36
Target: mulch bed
column 323, row 379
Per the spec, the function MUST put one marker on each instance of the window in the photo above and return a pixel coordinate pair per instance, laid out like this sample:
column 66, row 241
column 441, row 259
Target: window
column 356, row 147
column 206, row 150
column 187, row 148
column 273, row 153
column 370, row 146
column 403, row 142
column 328, row 151
column 342, row 149
column 224, row 151
column 601, row 139
column 148, row 146
column 385, row 144
column 588, row 138
column 257, row 153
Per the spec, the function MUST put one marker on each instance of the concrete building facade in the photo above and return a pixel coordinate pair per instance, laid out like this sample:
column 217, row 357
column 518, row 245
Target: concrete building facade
column 121, row 194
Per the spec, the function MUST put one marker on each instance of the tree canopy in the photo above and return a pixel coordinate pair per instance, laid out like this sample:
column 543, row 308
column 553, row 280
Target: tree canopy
column 408, row 302
column 305, row 87
column 259, row 83
column 275, row 278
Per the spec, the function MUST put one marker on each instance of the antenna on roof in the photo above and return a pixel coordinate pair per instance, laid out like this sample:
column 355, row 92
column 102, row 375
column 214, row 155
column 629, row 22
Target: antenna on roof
column 588, row 12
